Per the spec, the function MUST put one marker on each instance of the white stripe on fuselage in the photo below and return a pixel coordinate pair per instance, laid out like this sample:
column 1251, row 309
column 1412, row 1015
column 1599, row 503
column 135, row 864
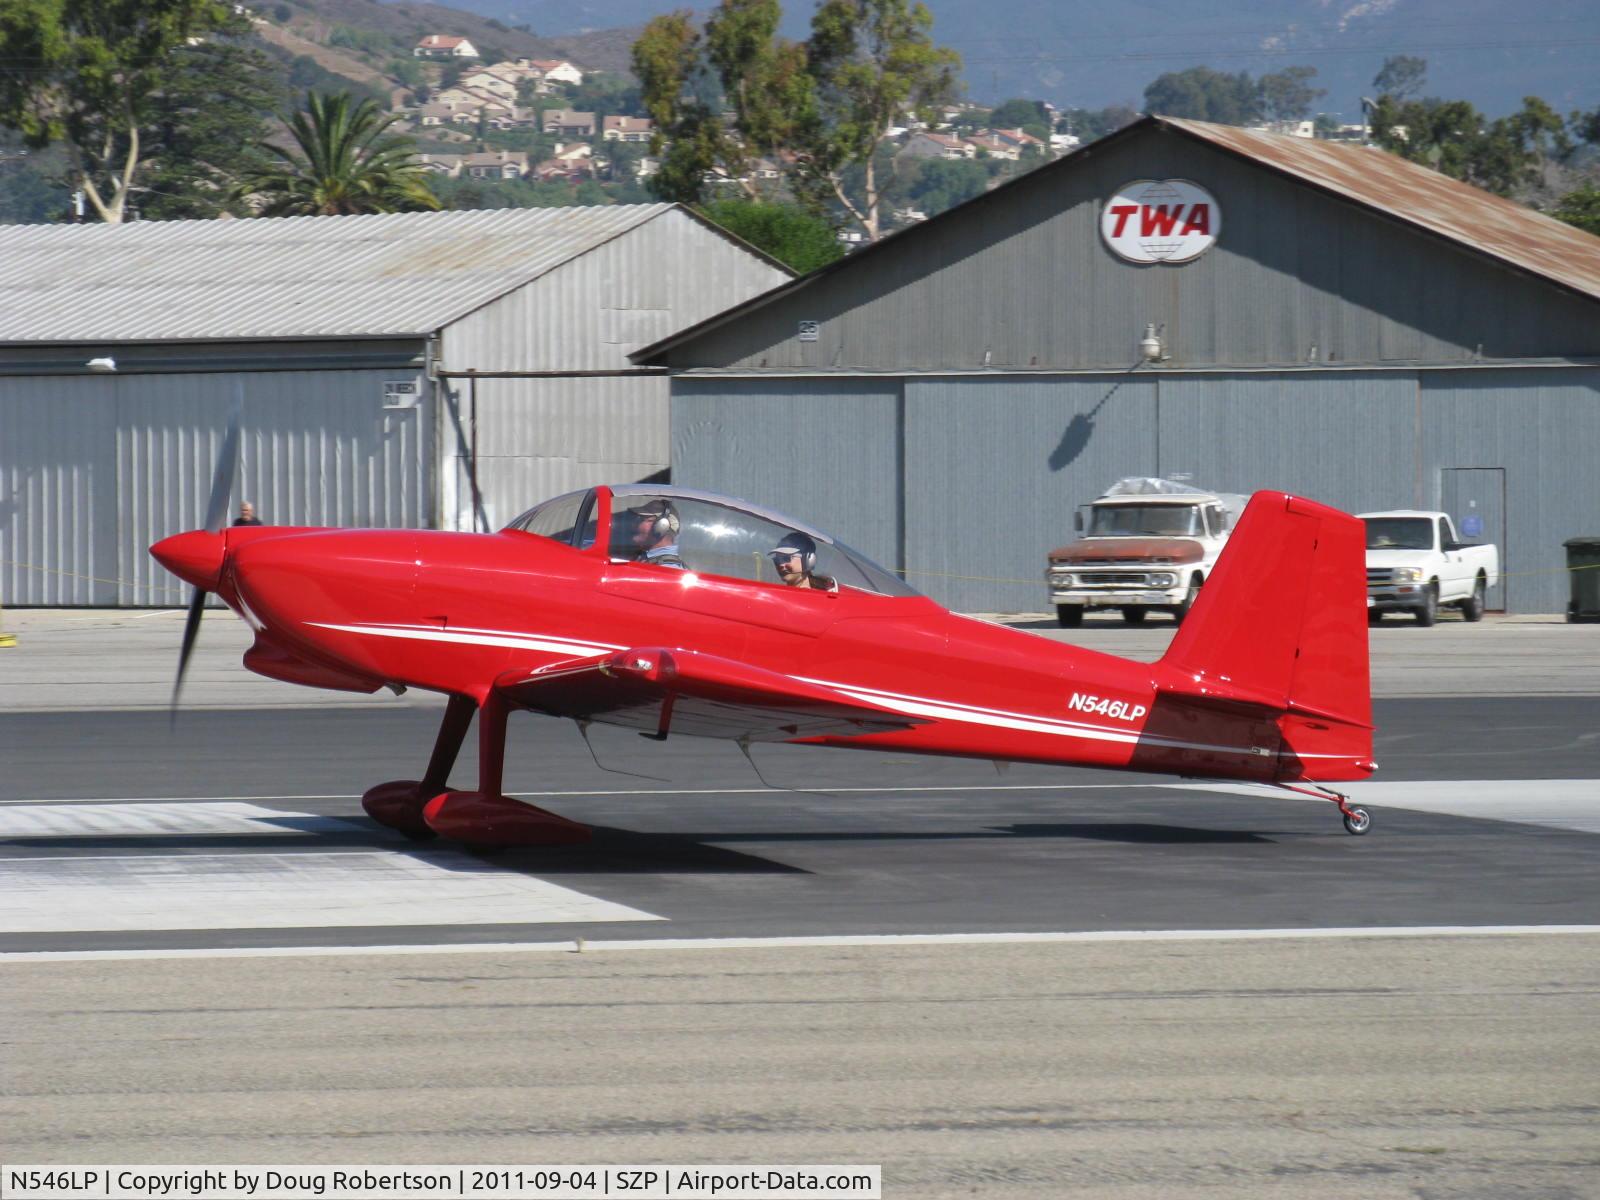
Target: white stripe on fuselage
column 918, row 706
column 477, row 637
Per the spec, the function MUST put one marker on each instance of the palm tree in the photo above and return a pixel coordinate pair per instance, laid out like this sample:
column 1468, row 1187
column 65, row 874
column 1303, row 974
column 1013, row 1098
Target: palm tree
column 345, row 164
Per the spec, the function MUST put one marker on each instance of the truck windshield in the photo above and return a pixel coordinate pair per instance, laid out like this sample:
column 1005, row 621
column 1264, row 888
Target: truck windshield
column 1144, row 520
column 1399, row 533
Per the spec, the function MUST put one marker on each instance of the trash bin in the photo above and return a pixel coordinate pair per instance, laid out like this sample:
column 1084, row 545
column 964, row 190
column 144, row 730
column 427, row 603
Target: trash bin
column 1583, row 568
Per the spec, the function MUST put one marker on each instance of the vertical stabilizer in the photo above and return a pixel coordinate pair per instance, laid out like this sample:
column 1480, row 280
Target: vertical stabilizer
column 1281, row 623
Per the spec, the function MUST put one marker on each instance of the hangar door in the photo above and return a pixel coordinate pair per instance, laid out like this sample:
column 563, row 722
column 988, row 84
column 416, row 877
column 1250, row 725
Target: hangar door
column 827, row 452
column 995, row 467
column 95, row 468
column 1475, row 498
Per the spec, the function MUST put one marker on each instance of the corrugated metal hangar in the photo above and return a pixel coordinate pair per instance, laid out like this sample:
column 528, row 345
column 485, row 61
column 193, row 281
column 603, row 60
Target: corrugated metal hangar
column 351, row 342
column 1244, row 309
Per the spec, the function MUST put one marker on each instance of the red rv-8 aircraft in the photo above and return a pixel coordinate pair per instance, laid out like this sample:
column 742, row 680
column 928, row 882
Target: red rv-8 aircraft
column 678, row 612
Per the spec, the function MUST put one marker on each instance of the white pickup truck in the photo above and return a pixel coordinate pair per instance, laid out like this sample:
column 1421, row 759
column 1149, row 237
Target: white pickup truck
column 1150, row 544
column 1416, row 562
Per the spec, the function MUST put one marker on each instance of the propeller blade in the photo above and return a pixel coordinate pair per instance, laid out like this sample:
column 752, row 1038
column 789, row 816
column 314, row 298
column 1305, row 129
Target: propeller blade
column 191, row 631
column 216, row 518
column 222, row 479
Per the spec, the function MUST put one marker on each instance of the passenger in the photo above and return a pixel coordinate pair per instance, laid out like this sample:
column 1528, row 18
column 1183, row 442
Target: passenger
column 655, row 534
column 796, row 560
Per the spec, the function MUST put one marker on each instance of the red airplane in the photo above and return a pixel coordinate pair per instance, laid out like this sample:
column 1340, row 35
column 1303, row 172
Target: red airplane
column 679, row 612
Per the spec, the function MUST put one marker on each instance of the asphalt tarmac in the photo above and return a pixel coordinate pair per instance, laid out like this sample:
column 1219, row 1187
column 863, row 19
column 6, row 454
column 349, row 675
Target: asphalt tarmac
column 1033, row 983
column 128, row 833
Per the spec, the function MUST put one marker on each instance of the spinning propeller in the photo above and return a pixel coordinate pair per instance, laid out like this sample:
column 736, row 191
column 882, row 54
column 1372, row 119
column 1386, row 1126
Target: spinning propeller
column 216, row 518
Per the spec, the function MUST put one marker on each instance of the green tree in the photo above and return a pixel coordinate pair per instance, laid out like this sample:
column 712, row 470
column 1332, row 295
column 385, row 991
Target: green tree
column 1202, row 94
column 1580, row 208
column 30, row 193
column 1453, row 138
column 343, row 162
column 800, row 240
column 825, row 105
column 943, row 183
column 1287, row 95
column 738, row 64
column 1401, row 77
column 872, row 60
column 1015, row 114
column 94, row 68
column 205, row 126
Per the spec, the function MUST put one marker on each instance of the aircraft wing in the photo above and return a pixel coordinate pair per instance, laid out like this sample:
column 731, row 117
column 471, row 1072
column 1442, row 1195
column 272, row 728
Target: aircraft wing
column 663, row 692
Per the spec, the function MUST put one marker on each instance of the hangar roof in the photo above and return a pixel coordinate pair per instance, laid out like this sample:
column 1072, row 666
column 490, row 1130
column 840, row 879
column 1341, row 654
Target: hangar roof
column 1411, row 195
column 1489, row 224
column 388, row 275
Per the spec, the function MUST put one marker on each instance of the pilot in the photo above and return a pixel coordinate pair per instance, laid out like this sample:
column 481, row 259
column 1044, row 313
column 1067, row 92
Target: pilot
column 795, row 557
column 655, row 534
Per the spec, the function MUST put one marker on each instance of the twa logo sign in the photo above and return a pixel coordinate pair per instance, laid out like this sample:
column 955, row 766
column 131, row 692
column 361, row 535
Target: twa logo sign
column 1160, row 221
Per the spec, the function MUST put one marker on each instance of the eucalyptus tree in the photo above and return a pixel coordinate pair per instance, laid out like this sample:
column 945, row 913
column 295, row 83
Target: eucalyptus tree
column 344, row 161
column 87, row 74
column 822, row 107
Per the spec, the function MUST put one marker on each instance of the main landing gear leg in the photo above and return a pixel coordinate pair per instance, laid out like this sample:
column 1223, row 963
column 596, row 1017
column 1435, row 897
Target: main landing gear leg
column 487, row 818
column 1356, row 820
column 399, row 804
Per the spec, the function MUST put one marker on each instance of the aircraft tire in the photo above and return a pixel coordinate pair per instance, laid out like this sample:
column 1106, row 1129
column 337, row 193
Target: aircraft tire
column 1357, row 821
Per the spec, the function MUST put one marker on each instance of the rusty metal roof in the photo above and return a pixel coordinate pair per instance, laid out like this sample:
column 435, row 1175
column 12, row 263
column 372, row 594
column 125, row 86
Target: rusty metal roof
column 1417, row 196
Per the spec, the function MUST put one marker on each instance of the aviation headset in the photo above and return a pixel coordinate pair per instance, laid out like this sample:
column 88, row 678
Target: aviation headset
column 661, row 514
column 799, row 543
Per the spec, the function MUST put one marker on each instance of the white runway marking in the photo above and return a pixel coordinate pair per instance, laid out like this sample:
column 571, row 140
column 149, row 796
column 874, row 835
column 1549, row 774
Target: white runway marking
column 784, row 943
column 1572, row 804
column 185, row 819
column 258, row 889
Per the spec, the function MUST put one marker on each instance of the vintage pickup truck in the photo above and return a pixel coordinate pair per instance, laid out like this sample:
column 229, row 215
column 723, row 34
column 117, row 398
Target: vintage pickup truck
column 1416, row 562
column 1150, row 545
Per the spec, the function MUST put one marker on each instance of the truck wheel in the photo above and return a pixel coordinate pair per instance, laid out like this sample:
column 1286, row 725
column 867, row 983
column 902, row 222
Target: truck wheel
column 1472, row 606
column 1429, row 612
column 1134, row 616
column 1069, row 616
column 1195, row 583
column 1374, row 616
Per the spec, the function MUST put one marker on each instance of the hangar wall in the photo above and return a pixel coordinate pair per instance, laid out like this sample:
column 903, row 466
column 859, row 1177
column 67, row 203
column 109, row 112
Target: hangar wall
column 825, row 451
column 1019, row 278
column 987, row 470
column 97, row 467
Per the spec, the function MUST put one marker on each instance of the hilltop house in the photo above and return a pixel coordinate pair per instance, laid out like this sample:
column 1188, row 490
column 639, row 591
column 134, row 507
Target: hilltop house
column 495, row 164
column 568, row 124
column 439, row 45
column 937, row 145
column 553, row 70
column 627, row 129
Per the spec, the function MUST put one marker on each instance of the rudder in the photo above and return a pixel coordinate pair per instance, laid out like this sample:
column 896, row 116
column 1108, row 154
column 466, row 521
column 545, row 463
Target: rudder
column 1281, row 623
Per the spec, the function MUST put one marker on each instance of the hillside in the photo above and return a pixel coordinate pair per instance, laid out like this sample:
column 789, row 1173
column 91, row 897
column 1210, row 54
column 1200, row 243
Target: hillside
column 1089, row 54
column 360, row 39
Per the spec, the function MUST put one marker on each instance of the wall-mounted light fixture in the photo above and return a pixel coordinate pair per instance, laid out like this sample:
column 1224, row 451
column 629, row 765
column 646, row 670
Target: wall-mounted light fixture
column 103, row 366
column 1151, row 348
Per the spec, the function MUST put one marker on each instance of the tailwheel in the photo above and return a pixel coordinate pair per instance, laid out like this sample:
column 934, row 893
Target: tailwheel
column 1356, row 820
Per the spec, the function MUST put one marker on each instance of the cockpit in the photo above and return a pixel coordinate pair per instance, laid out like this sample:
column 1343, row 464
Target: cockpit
column 702, row 532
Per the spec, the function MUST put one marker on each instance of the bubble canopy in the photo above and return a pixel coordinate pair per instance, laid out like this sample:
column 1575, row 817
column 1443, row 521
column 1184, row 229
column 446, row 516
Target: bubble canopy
column 714, row 535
